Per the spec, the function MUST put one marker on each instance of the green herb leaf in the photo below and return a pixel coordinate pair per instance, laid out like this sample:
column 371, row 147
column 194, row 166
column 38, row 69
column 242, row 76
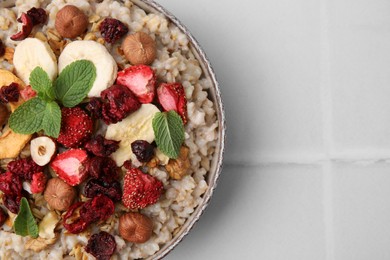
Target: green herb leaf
column 27, row 118
column 74, row 82
column 52, row 119
column 25, row 223
column 169, row 131
column 41, row 83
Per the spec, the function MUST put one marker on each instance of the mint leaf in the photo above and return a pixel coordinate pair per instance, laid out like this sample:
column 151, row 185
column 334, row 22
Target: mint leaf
column 169, row 132
column 28, row 117
column 25, row 223
column 74, row 82
column 41, row 83
column 52, row 119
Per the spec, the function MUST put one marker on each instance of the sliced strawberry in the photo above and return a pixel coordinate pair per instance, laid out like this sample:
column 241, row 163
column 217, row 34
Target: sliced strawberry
column 38, row 182
column 171, row 96
column 140, row 190
column 141, row 80
column 76, row 127
column 70, row 166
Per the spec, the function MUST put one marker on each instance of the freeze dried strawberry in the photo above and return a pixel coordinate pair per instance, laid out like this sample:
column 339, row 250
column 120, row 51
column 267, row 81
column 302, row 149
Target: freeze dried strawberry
column 140, row 190
column 100, row 146
column 171, row 96
column 70, row 166
column 24, row 168
column 28, row 93
column 38, row 182
column 141, row 80
column 118, row 103
column 76, row 127
column 9, row 93
column 26, row 28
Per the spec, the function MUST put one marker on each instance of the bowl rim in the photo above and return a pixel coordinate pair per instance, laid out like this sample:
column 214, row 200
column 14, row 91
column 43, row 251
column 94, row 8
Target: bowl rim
column 208, row 69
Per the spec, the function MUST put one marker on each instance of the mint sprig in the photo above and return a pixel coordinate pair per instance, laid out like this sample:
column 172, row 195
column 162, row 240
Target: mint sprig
column 169, row 132
column 25, row 223
column 43, row 112
column 74, row 82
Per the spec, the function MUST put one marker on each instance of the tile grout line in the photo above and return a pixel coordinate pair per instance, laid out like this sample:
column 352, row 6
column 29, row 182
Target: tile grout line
column 327, row 120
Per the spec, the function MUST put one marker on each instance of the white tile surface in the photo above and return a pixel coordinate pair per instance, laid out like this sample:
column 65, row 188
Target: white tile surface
column 261, row 213
column 306, row 86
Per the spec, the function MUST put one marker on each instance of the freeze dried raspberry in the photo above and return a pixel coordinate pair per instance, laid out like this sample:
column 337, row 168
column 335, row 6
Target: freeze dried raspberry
column 140, row 190
column 25, row 168
column 37, row 15
column 100, row 146
column 38, row 182
column 101, row 245
column 95, row 106
column 118, row 103
column 10, row 93
column 3, row 216
column 143, row 150
column 102, row 168
column 100, row 208
column 76, row 127
column 2, row 48
column 112, row 29
column 95, row 187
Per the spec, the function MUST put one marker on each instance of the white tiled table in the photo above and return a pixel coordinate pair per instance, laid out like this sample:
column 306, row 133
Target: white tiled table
column 306, row 85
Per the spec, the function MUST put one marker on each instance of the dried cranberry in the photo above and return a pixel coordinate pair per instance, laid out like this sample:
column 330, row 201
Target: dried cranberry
column 112, row 29
column 3, row 216
column 101, row 245
column 26, row 28
column 100, row 208
column 10, row 93
column 71, row 222
column 2, row 48
column 95, row 187
column 100, row 146
column 25, row 168
column 12, row 203
column 118, row 102
column 37, row 15
column 102, row 167
column 95, row 107
column 143, row 150
column 10, row 184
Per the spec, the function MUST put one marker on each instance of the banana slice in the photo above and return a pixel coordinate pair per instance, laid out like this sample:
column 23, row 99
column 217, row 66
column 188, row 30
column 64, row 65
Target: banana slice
column 137, row 126
column 106, row 67
column 31, row 53
column 11, row 143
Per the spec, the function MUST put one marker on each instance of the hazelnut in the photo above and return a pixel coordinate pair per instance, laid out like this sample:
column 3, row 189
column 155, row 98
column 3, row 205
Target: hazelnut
column 178, row 168
column 71, row 22
column 135, row 227
column 139, row 48
column 59, row 195
column 4, row 113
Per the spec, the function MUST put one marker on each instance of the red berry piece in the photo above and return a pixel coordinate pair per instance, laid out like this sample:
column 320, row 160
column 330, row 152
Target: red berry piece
column 143, row 150
column 2, row 48
column 26, row 28
column 95, row 187
column 103, row 168
column 38, row 182
column 27, row 93
column 118, row 103
column 141, row 80
column 24, row 168
column 76, row 127
column 72, row 220
column 100, row 208
column 9, row 93
column 37, row 15
column 70, row 166
column 101, row 245
column 112, row 29
column 100, row 146
column 95, row 106
column 140, row 190
column 171, row 96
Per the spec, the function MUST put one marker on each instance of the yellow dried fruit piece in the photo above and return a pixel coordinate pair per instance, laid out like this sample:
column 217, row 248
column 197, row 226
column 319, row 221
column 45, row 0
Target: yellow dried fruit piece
column 11, row 143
